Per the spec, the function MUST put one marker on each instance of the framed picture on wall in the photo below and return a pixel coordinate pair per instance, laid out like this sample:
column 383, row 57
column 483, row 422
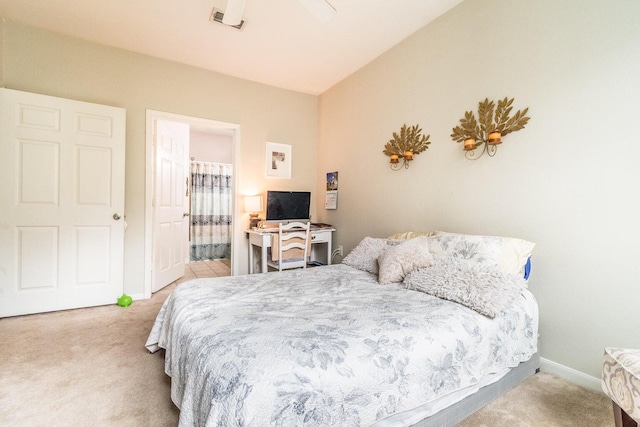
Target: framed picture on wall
column 278, row 160
column 331, row 196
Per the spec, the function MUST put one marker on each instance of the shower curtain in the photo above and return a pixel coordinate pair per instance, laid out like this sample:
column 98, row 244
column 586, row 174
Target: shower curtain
column 211, row 212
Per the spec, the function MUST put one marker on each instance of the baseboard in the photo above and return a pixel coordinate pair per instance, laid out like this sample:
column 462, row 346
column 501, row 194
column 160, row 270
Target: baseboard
column 136, row 297
column 571, row 375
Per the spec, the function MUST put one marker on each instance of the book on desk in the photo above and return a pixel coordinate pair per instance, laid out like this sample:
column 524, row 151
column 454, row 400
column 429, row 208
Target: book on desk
column 320, row 225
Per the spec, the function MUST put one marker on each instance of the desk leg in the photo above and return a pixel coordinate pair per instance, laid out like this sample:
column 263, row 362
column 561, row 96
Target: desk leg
column 250, row 258
column 263, row 259
column 329, row 252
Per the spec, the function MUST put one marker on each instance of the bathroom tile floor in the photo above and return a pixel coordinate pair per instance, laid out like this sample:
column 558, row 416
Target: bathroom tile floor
column 209, row 268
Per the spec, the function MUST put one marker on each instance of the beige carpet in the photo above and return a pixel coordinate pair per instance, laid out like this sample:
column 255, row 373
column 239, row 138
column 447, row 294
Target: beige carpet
column 89, row 367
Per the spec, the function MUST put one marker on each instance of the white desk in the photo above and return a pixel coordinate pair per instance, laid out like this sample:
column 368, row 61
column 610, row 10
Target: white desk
column 262, row 239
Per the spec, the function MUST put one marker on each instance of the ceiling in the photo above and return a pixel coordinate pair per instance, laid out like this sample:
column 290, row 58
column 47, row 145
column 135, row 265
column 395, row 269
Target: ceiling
column 281, row 44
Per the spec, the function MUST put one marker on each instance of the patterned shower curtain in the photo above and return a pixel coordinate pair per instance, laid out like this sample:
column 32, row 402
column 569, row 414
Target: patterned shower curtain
column 211, row 211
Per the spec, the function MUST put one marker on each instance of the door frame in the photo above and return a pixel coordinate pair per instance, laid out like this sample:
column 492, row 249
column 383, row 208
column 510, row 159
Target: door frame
column 151, row 117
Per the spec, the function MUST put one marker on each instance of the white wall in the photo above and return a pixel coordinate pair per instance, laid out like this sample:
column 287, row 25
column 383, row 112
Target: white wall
column 43, row 62
column 569, row 181
column 1, row 53
column 208, row 147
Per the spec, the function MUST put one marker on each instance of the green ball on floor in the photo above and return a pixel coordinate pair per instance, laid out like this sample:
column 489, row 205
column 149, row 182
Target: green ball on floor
column 125, row 300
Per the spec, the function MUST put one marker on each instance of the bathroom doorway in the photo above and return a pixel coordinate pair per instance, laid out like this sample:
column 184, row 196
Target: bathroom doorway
column 204, row 247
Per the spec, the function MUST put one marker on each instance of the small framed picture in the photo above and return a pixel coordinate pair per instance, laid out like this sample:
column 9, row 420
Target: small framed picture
column 331, row 196
column 332, row 181
column 278, row 160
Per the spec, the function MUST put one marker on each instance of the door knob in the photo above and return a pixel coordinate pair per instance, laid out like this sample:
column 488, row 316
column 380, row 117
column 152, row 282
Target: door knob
column 185, row 214
column 116, row 216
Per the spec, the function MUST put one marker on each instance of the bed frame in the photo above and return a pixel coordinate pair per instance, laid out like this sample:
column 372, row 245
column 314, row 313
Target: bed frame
column 457, row 412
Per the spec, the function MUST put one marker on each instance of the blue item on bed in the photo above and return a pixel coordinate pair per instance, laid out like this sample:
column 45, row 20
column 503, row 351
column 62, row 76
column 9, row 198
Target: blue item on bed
column 527, row 268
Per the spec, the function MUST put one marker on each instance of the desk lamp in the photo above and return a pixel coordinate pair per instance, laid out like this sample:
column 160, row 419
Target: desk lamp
column 253, row 205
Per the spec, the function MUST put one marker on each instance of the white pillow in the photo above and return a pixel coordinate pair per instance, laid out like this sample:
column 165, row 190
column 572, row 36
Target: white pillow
column 474, row 249
column 399, row 260
column 514, row 253
column 365, row 255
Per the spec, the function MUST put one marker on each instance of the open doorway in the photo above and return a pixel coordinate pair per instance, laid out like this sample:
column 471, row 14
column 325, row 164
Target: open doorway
column 199, row 243
column 210, row 181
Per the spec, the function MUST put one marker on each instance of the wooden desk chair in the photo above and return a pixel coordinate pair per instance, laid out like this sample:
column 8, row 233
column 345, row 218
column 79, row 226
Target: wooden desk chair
column 290, row 247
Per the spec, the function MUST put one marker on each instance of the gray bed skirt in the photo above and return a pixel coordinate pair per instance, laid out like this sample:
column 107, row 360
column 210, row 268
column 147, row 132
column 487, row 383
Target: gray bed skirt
column 457, row 412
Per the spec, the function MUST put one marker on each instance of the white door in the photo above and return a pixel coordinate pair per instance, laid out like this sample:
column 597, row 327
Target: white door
column 61, row 203
column 171, row 203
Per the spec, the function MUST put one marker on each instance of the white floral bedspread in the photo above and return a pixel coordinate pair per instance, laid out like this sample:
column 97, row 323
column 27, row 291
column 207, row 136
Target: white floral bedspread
column 328, row 346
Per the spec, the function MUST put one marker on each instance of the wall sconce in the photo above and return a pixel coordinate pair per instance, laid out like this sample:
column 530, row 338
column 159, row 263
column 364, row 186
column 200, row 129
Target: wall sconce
column 494, row 123
column 409, row 143
column 253, row 205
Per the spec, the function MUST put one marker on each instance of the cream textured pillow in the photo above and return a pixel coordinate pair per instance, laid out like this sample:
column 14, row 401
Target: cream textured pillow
column 483, row 288
column 514, row 253
column 365, row 255
column 410, row 235
column 398, row 261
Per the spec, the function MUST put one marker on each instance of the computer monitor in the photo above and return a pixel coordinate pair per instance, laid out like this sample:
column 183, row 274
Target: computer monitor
column 288, row 206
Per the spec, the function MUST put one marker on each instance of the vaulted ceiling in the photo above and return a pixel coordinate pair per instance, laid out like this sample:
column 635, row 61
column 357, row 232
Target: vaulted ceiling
column 281, row 42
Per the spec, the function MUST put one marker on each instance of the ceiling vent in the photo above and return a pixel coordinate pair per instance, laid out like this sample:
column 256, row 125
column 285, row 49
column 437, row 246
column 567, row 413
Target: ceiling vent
column 217, row 15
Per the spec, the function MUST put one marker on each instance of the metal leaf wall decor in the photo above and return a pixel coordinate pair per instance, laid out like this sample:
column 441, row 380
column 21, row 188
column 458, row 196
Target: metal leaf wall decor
column 490, row 118
column 409, row 139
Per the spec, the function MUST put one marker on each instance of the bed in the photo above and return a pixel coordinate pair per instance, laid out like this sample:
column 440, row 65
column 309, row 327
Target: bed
column 397, row 335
